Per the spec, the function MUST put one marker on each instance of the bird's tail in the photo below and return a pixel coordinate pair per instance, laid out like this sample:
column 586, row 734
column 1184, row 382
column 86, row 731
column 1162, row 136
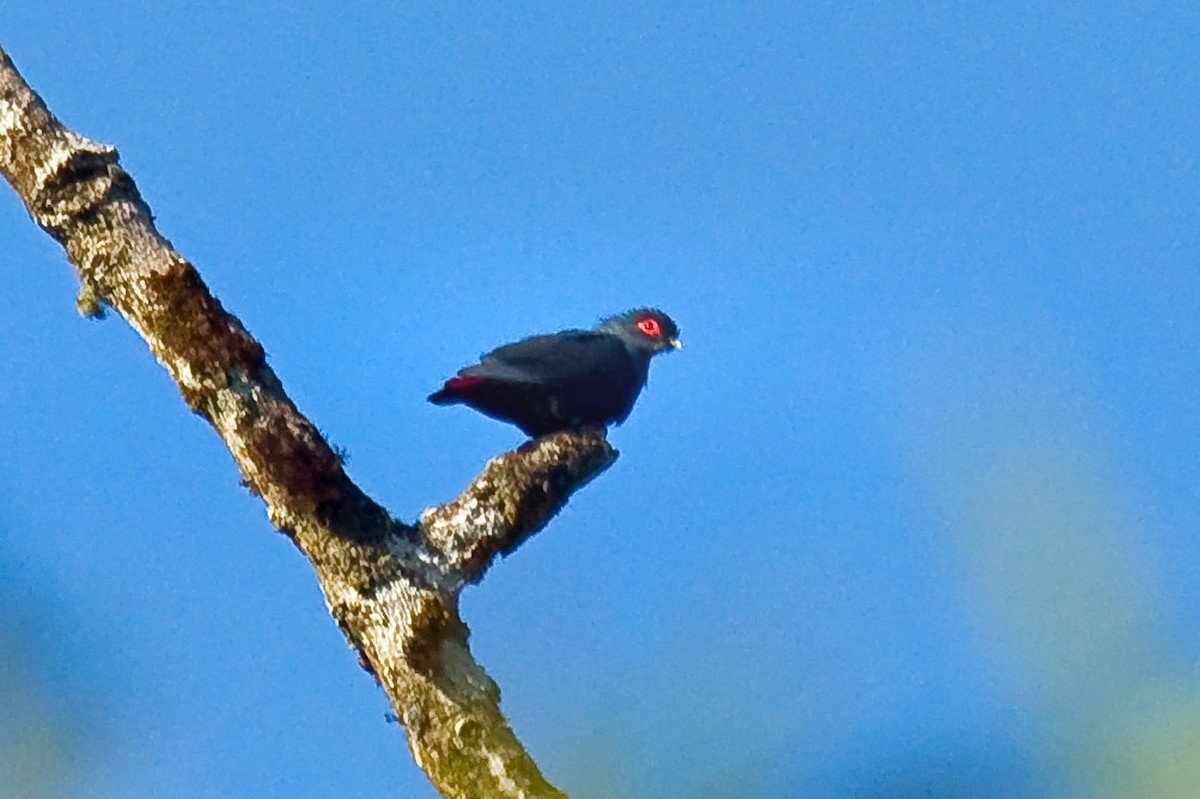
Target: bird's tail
column 454, row 391
column 442, row 397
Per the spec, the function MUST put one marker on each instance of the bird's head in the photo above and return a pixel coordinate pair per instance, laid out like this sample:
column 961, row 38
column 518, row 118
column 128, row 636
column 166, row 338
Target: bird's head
column 647, row 329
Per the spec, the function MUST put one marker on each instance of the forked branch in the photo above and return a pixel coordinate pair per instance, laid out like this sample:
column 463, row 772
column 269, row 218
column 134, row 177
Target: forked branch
column 393, row 588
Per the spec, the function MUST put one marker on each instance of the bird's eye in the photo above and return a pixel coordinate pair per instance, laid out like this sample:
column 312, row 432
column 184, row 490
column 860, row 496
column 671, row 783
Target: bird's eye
column 650, row 326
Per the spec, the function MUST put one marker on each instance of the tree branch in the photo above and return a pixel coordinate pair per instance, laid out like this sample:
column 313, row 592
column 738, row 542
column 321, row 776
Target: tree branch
column 393, row 588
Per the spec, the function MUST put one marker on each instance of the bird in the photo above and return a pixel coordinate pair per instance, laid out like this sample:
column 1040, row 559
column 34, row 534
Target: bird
column 569, row 380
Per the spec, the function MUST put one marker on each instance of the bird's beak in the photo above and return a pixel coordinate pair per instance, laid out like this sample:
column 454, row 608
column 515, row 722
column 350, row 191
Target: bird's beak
column 676, row 344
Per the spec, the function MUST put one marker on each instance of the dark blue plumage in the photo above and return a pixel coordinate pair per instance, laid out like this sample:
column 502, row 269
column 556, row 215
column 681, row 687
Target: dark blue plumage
column 567, row 380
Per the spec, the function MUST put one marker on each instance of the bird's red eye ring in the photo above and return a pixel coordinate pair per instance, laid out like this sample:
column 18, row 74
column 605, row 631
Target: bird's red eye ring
column 650, row 326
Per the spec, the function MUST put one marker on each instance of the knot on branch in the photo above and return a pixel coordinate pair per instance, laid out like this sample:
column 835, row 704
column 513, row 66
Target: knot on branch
column 76, row 182
column 515, row 496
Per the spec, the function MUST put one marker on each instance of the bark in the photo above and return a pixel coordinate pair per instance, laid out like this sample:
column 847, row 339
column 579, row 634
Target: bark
column 392, row 587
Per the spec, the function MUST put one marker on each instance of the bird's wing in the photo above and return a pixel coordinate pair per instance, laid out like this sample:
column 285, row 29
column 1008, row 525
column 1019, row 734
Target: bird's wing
column 572, row 357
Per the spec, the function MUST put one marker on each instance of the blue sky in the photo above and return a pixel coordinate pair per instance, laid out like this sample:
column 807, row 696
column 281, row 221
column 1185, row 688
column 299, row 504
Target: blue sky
column 912, row 514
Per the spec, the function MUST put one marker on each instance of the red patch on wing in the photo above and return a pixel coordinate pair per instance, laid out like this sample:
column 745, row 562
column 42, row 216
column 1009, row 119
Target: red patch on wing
column 461, row 383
